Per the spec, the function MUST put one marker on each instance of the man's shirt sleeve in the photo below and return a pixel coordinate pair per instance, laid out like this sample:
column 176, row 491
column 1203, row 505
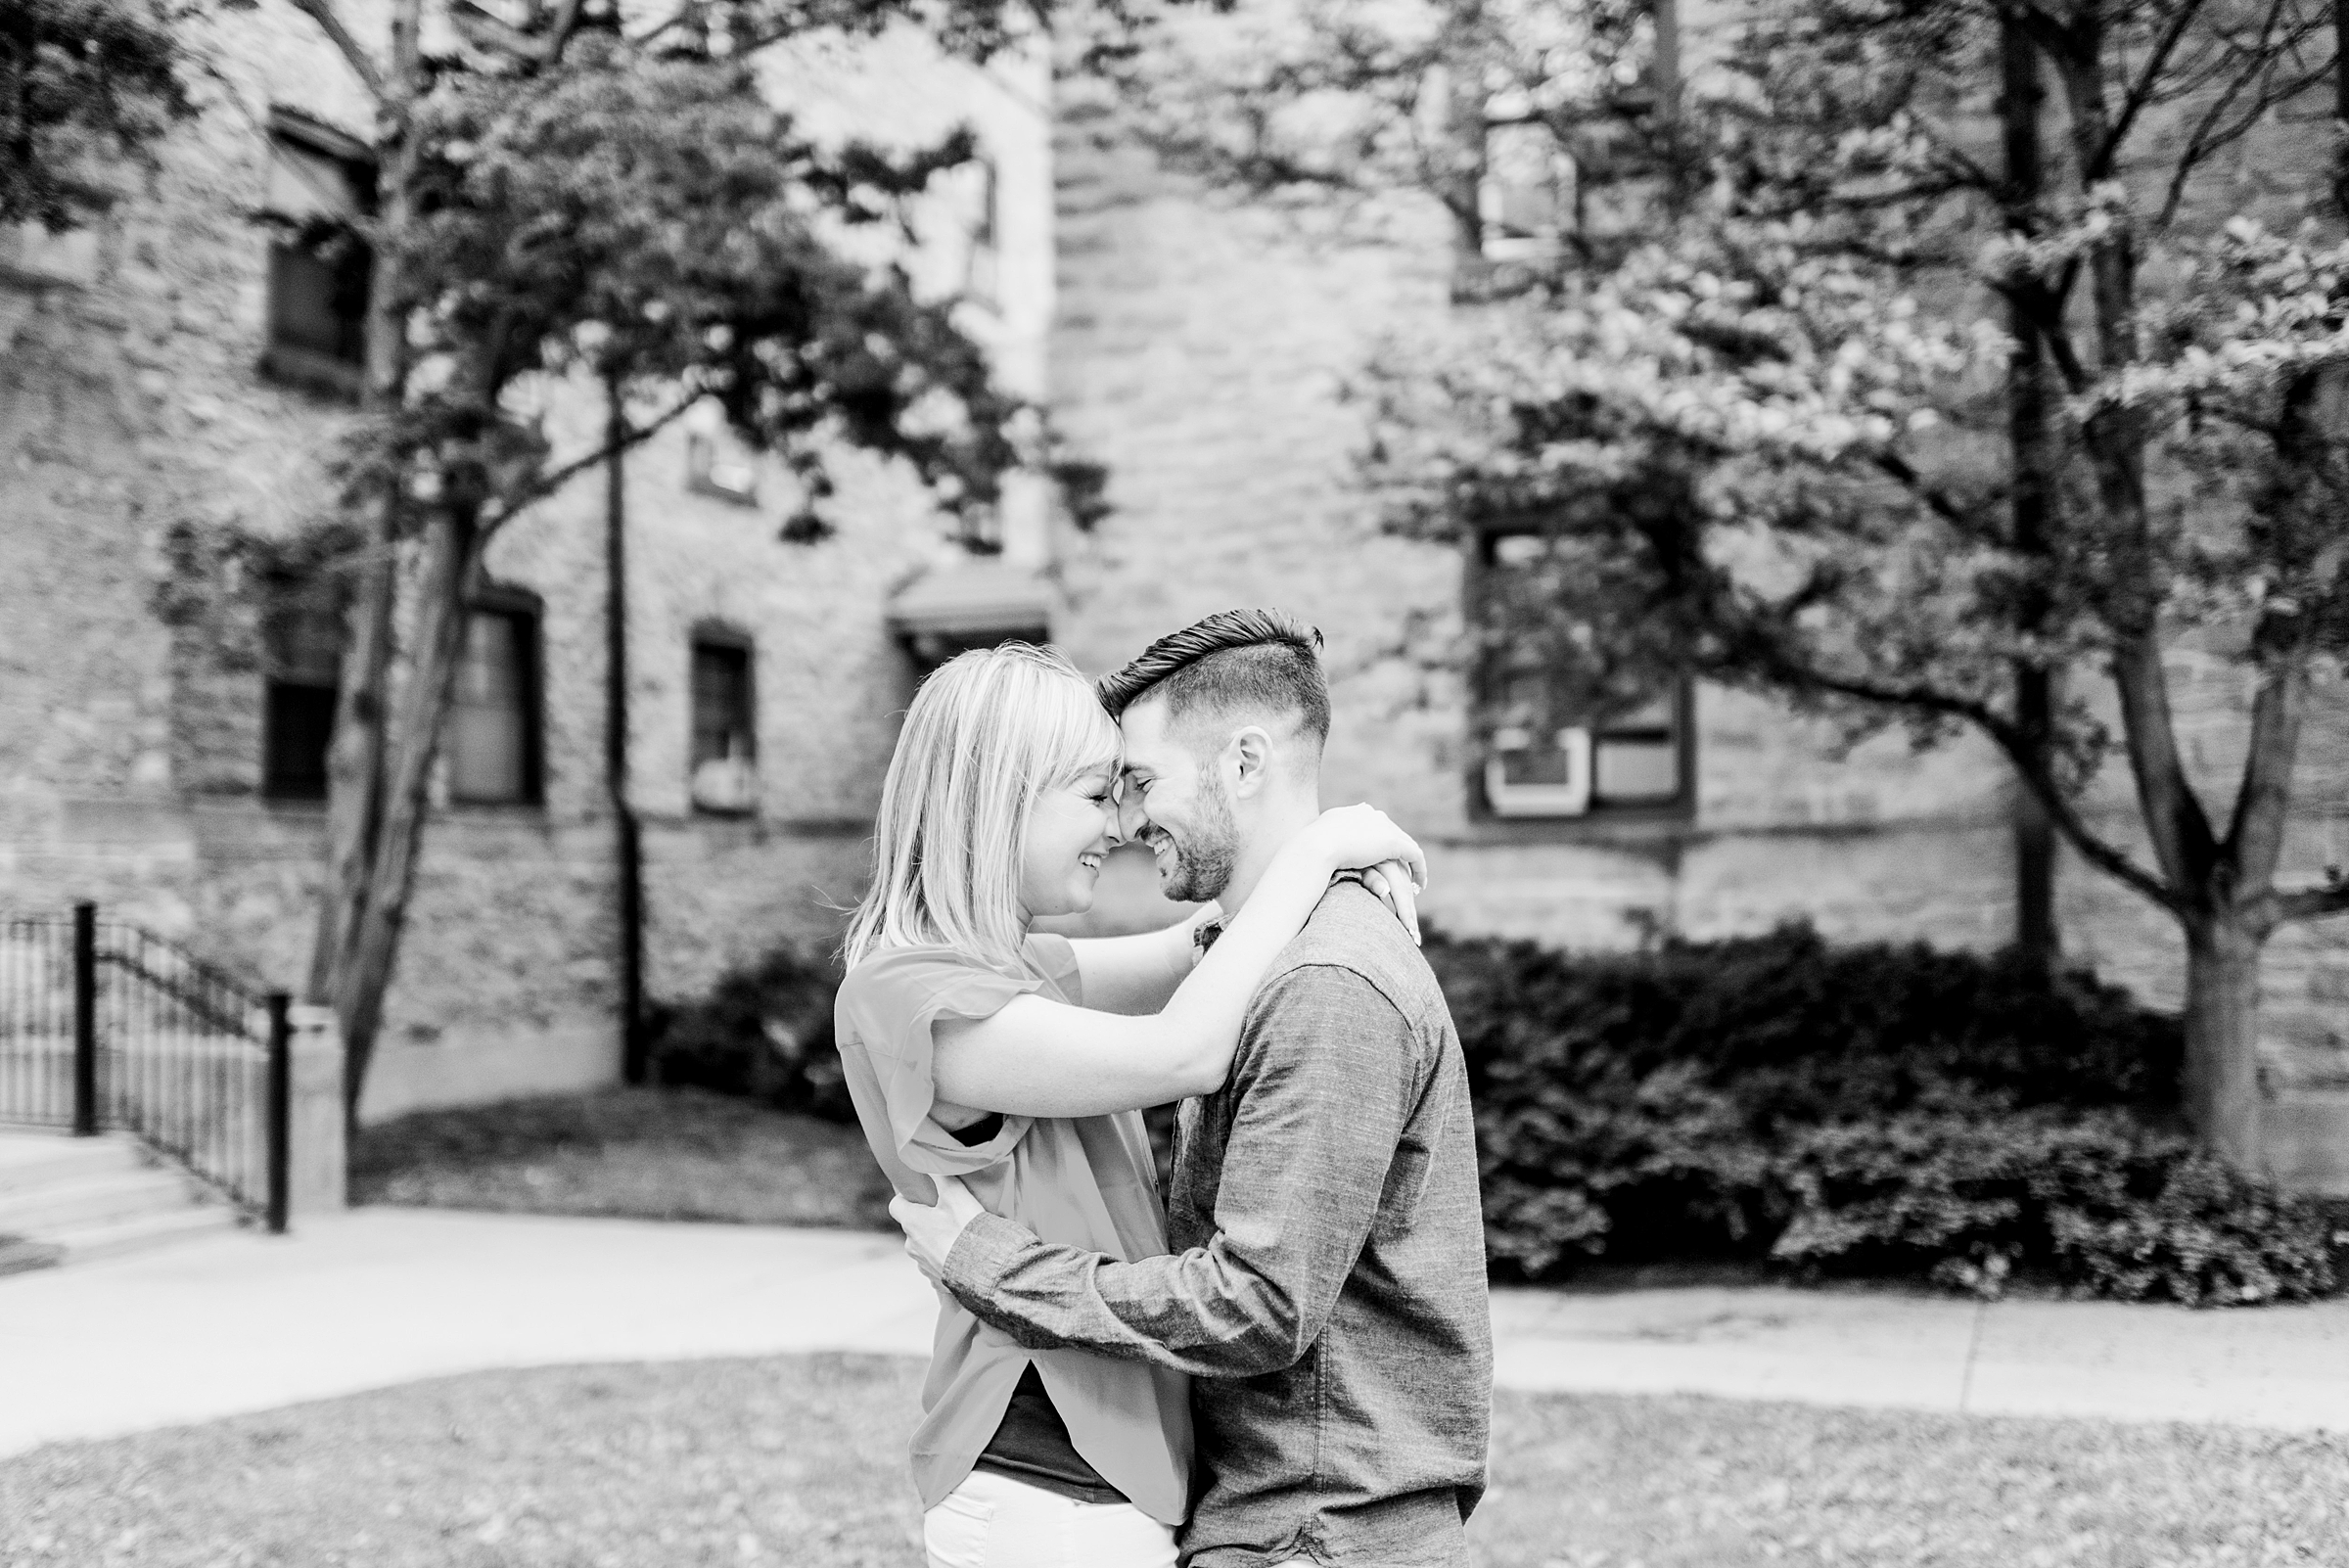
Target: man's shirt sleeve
column 1328, row 1079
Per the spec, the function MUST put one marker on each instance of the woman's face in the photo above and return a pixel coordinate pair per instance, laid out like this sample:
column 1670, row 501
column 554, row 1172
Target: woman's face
column 1071, row 830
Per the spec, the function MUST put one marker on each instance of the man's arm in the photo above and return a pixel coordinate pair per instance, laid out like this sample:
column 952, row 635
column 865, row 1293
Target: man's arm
column 1324, row 1096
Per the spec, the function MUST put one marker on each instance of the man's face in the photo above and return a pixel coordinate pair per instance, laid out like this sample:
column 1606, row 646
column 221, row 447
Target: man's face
column 1176, row 803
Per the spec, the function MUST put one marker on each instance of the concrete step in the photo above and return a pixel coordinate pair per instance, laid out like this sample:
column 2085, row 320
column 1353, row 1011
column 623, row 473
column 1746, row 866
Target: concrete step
column 107, row 1237
column 86, row 1199
column 30, row 1162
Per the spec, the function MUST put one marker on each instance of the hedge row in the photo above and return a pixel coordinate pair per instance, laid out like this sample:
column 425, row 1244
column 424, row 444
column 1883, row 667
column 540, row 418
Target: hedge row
column 1866, row 1110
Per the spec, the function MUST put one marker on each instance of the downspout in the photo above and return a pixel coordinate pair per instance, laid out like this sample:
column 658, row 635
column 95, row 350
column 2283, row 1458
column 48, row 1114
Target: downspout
column 628, row 847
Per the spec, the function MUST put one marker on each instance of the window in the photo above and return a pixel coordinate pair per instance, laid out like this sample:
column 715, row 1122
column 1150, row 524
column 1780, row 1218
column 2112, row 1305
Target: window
column 725, row 730
column 301, row 653
column 493, row 726
column 712, row 471
column 1525, row 200
column 983, row 271
column 1581, row 708
column 321, row 181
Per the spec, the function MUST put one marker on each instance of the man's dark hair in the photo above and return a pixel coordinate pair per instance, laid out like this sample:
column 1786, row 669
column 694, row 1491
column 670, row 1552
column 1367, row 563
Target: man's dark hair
column 1240, row 658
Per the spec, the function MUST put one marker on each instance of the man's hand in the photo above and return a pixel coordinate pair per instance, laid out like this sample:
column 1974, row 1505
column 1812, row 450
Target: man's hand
column 931, row 1232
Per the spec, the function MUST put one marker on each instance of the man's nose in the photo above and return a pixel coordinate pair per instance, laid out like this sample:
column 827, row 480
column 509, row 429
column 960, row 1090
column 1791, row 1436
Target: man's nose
column 1131, row 817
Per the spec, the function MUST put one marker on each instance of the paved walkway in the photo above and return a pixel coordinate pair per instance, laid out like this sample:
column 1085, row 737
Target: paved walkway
column 244, row 1322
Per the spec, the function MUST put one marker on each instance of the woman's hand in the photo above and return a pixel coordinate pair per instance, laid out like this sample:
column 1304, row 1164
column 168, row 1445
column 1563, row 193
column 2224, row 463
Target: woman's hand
column 1354, row 838
column 1393, row 882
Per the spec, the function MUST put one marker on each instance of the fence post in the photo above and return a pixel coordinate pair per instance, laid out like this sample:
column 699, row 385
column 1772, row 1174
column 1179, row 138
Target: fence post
column 280, row 1111
column 85, row 1020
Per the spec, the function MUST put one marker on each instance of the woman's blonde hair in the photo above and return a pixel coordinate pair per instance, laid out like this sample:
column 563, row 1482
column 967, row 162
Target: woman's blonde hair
column 987, row 733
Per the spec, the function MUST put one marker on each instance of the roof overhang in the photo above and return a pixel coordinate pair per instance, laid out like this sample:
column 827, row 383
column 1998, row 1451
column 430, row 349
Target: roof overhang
column 982, row 597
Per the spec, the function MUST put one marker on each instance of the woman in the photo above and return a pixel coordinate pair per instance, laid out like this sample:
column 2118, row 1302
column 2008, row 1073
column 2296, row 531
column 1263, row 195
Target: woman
column 1019, row 1062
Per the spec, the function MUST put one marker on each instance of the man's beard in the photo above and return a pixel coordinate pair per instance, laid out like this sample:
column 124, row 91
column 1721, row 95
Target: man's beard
column 1204, row 856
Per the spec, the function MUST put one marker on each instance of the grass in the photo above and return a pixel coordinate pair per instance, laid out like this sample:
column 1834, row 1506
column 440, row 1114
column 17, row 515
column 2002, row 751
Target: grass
column 638, row 1153
column 799, row 1461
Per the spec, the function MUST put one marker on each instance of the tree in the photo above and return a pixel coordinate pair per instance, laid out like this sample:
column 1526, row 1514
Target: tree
column 1889, row 423
column 83, row 83
column 570, row 200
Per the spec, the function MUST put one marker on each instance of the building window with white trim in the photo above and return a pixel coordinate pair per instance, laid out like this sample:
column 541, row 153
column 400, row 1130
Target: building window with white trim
column 725, row 724
column 321, row 186
column 1525, row 198
column 302, row 656
column 1579, row 710
column 493, row 726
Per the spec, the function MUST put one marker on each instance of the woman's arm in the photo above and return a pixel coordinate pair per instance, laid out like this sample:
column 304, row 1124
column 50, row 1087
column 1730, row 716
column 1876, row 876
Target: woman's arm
column 1034, row 1057
column 1138, row 974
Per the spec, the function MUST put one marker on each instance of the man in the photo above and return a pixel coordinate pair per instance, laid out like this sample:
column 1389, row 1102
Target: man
column 1327, row 1287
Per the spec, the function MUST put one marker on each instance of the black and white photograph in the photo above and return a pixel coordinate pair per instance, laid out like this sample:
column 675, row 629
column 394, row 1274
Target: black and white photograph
column 1174, row 783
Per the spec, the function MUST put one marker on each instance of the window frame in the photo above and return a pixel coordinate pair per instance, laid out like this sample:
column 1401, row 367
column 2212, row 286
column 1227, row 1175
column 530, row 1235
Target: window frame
column 716, row 634
column 524, row 607
column 704, row 456
column 1599, row 816
column 277, row 785
column 336, row 374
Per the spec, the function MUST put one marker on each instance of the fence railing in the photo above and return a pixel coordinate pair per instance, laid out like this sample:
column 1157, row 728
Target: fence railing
column 104, row 1023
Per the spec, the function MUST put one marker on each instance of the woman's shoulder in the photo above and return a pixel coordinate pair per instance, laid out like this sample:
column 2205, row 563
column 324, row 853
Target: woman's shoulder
column 912, row 977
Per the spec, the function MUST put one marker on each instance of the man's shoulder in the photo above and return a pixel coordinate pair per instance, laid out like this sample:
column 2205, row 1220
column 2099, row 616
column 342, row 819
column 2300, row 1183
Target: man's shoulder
column 1352, row 932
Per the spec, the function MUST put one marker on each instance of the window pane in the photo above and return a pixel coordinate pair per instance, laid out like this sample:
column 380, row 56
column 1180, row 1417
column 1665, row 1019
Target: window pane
column 319, row 306
column 1635, row 770
column 722, row 730
column 489, row 751
column 297, row 724
column 1662, row 713
column 1533, row 764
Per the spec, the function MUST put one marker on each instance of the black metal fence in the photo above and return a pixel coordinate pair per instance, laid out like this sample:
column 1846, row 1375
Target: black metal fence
column 106, row 1025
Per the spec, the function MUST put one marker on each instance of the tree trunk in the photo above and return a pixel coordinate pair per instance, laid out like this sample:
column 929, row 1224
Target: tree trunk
column 2222, row 1039
column 358, row 780
column 452, row 557
column 2032, row 451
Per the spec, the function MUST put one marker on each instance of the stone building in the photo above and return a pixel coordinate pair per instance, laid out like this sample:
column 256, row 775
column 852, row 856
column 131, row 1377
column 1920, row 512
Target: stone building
column 159, row 721
column 170, row 384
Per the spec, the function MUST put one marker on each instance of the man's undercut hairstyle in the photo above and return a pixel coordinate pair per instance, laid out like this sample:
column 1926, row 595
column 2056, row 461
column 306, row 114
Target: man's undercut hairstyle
column 1242, row 661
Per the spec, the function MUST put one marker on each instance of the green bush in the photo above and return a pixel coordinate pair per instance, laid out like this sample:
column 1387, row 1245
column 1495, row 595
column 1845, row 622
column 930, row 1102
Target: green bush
column 1857, row 1110
column 765, row 1032
column 1973, row 1193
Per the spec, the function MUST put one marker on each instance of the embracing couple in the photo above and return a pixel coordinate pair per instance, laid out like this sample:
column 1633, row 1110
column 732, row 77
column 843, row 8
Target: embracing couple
column 1289, row 1360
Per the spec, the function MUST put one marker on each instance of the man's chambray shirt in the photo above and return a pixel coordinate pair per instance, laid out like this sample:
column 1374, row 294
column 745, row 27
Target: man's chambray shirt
column 1327, row 1286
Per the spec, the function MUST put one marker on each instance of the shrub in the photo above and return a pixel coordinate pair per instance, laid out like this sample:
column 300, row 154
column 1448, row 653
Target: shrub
column 1973, row 1192
column 1871, row 1109
column 765, row 1032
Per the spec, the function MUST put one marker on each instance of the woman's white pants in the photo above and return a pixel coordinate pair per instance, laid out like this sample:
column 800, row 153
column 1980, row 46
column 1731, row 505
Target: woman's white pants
column 992, row 1521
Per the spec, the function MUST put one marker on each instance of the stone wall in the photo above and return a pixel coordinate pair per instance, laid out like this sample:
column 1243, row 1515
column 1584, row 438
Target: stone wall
column 137, row 437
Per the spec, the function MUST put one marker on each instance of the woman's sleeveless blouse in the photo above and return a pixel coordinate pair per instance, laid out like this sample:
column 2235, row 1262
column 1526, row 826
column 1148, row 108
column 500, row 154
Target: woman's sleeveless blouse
column 1086, row 1181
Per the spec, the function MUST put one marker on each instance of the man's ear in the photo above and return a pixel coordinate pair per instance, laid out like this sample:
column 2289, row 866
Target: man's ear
column 1249, row 753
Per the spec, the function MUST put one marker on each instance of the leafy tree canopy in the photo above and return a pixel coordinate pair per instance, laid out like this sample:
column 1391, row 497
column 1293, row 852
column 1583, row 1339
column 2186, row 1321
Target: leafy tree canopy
column 83, row 83
column 653, row 221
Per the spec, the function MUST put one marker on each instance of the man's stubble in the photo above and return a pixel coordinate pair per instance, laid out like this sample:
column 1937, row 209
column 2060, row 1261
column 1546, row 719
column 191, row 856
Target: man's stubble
column 1205, row 856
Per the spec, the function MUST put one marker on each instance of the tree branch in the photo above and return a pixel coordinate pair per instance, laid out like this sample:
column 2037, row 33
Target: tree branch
column 2141, row 92
column 364, row 64
column 558, row 37
column 1898, row 468
column 2028, row 763
column 554, row 478
column 2307, row 904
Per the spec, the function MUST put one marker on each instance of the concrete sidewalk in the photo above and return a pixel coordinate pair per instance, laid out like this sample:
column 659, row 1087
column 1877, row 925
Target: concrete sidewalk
column 382, row 1296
